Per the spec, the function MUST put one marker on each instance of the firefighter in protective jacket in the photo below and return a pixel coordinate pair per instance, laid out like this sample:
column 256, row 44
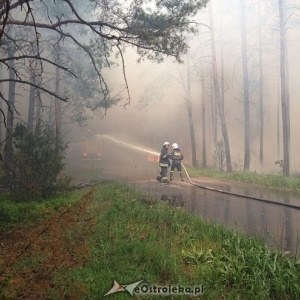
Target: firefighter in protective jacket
column 164, row 163
column 176, row 157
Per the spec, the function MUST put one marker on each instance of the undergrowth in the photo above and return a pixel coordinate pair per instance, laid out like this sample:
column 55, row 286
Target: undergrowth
column 117, row 234
column 147, row 240
column 291, row 183
column 14, row 213
column 31, row 256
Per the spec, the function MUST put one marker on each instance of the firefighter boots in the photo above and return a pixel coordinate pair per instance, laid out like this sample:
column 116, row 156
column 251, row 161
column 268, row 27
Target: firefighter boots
column 181, row 176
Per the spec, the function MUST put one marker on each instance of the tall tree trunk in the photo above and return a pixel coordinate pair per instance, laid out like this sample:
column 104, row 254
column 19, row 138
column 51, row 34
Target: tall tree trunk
column 190, row 116
column 218, row 95
column 261, row 87
column 287, row 90
column 38, row 116
column 10, row 112
column 204, row 162
column 222, row 63
column 284, row 100
column 278, row 118
column 1, row 108
column 245, row 87
column 32, row 94
column 57, row 106
column 213, row 111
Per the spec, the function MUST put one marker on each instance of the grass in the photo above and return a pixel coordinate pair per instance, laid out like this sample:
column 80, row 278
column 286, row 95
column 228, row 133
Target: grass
column 148, row 240
column 50, row 239
column 291, row 183
column 135, row 237
column 22, row 213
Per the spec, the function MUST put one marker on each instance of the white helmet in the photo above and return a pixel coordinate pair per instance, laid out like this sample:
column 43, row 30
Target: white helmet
column 174, row 146
column 166, row 143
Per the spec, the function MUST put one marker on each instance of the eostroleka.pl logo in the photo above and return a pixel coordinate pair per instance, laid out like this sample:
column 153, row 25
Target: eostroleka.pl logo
column 121, row 288
column 146, row 289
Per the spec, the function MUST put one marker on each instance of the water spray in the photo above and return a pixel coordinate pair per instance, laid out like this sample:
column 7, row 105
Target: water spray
column 127, row 144
column 139, row 149
column 193, row 183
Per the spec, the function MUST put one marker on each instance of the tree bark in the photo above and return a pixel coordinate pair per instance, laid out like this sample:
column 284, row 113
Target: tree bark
column 245, row 87
column 57, row 106
column 190, row 116
column 32, row 93
column 284, row 100
column 1, row 107
column 204, row 161
column 218, row 95
column 261, row 87
column 10, row 113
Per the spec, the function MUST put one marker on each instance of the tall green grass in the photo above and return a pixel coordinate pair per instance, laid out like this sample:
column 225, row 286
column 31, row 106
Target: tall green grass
column 20, row 213
column 291, row 183
column 136, row 237
column 143, row 239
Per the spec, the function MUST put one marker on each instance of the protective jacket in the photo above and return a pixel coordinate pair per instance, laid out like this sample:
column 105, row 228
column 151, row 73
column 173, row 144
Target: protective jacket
column 176, row 155
column 164, row 158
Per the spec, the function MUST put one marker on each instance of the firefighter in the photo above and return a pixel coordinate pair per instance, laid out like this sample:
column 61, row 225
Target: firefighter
column 176, row 157
column 164, row 163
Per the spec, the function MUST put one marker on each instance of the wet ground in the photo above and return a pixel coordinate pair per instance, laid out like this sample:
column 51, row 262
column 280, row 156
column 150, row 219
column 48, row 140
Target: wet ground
column 277, row 225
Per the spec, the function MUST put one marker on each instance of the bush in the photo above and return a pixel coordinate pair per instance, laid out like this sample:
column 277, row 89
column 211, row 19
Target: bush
column 36, row 162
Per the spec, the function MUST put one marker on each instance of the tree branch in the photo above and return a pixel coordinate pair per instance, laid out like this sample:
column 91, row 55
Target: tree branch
column 125, row 39
column 2, row 60
column 36, row 86
column 5, row 9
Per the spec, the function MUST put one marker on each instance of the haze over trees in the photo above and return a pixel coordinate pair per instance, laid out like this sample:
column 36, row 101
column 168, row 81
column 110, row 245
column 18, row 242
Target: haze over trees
column 54, row 55
column 250, row 49
column 244, row 103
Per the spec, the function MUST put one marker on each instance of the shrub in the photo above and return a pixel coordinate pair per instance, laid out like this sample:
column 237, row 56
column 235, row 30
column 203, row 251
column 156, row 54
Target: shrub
column 37, row 160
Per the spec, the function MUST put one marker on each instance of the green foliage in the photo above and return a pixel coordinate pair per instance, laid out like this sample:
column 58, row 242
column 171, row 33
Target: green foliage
column 36, row 163
column 291, row 183
column 147, row 240
column 139, row 238
column 243, row 264
column 163, row 29
column 24, row 213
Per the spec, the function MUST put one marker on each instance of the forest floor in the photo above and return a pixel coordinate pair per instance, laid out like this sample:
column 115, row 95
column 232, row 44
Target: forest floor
column 30, row 256
column 112, row 232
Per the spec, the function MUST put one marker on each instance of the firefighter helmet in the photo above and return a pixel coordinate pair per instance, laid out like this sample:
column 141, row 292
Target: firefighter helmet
column 175, row 146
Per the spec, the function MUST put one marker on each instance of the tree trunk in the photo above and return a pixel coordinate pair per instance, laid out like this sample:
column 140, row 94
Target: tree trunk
column 1, row 108
column 278, row 118
column 222, row 63
column 10, row 112
column 214, row 112
column 204, row 162
column 261, row 87
column 245, row 87
column 32, row 94
column 287, row 90
column 218, row 95
column 57, row 106
column 190, row 116
column 284, row 100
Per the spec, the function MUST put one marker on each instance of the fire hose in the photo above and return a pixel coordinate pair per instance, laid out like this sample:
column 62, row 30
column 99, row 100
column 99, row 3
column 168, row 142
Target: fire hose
column 240, row 195
column 198, row 185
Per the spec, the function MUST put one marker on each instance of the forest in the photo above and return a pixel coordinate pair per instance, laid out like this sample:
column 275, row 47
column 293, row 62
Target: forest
column 217, row 77
column 238, row 86
column 230, row 67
